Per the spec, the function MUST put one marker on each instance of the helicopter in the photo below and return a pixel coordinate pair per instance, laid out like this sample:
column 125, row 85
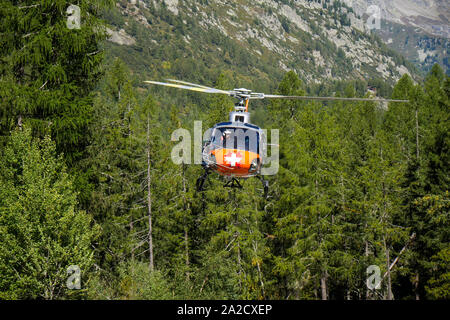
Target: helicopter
column 237, row 149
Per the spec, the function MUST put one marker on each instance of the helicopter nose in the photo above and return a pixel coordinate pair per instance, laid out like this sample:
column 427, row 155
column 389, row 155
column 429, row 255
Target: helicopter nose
column 233, row 159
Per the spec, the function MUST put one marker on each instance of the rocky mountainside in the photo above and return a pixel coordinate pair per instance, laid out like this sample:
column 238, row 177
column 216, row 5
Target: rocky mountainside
column 419, row 29
column 255, row 39
column 431, row 16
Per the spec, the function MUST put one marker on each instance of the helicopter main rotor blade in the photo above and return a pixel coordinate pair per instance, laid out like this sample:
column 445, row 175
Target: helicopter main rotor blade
column 192, row 84
column 180, row 86
column 245, row 94
column 273, row 96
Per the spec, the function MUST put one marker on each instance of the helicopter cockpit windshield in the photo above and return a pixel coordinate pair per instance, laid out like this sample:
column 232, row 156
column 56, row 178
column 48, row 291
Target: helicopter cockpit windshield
column 235, row 138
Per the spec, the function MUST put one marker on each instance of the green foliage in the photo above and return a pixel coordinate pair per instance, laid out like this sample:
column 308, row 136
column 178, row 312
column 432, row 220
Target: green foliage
column 359, row 184
column 355, row 182
column 42, row 231
column 421, row 131
column 438, row 287
column 47, row 71
column 437, row 210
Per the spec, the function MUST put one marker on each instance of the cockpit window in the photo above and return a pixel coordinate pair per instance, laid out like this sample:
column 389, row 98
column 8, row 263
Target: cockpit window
column 235, row 138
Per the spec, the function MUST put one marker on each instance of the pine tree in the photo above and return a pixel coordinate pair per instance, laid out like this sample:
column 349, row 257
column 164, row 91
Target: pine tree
column 437, row 213
column 48, row 70
column 117, row 198
column 42, row 232
column 310, row 194
column 420, row 127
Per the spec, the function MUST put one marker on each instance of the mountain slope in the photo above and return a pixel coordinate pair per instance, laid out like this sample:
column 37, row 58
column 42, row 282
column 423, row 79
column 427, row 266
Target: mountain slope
column 257, row 40
column 419, row 29
column 419, row 47
column 432, row 16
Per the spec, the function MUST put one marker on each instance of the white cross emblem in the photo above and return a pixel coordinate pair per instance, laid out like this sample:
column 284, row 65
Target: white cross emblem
column 232, row 159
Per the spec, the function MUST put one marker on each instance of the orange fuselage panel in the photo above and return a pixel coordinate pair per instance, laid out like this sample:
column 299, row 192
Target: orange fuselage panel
column 233, row 162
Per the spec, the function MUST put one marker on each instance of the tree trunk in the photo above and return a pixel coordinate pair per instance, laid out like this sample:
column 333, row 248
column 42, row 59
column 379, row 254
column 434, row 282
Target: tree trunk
column 417, row 135
column 149, row 200
column 389, row 284
column 19, row 122
column 239, row 266
column 416, row 286
column 366, row 253
column 186, row 246
column 186, row 234
column 386, row 249
column 323, row 286
column 131, row 233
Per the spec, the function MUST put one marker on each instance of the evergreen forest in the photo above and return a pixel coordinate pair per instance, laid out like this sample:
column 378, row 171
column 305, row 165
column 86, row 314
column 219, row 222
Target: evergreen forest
column 87, row 180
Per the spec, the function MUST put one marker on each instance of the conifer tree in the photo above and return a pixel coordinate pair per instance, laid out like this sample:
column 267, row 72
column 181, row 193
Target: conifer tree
column 420, row 127
column 42, row 232
column 116, row 200
column 49, row 68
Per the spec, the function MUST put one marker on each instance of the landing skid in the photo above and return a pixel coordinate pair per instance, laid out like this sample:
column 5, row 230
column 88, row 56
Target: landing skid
column 265, row 186
column 233, row 183
column 201, row 181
